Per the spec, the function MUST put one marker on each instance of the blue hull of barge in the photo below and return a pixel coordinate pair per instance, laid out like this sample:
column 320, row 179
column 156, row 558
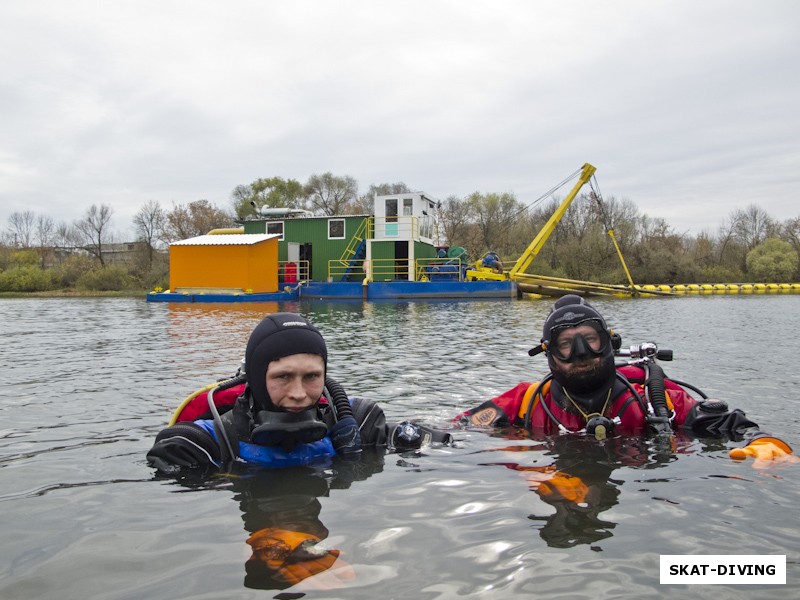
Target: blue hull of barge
column 377, row 290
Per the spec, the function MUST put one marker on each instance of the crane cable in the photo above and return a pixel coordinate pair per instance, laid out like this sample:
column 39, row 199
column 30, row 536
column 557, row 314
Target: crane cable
column 547, row 194
column 609, row 229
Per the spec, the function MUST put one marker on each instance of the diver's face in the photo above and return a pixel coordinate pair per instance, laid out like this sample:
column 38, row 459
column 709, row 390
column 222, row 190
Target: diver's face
column 566, row 343
column 576, row 360
column 586, row 364
column 295, row 382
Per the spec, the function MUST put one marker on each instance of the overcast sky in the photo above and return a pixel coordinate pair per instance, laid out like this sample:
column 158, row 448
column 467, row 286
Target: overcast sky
column 688, row 108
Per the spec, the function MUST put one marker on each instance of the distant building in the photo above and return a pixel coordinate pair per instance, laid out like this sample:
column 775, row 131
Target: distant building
column 125, row 253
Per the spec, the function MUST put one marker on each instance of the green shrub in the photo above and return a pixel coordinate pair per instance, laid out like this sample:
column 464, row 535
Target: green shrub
column 29, row 278
column 24, row 258
column 66, row 274
column 153, row 280
column 773, row 261
column 720, row 274
column 109, row 278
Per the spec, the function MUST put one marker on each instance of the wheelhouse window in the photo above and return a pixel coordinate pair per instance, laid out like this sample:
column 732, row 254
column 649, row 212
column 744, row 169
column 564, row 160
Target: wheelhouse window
column 391, row 210
column 336, row 229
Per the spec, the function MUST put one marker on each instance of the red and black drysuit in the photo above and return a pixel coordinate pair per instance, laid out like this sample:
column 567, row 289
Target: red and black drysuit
column 627, row 409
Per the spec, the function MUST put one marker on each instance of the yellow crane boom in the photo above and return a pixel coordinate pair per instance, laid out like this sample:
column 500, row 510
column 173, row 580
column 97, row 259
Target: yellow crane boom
column 524, row 261
column 535, row 246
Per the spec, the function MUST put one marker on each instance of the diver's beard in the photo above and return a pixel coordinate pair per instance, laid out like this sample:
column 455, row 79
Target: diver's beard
column 589, row 377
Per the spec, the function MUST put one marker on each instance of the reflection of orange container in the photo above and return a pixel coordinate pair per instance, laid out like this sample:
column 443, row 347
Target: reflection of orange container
column 290, row 273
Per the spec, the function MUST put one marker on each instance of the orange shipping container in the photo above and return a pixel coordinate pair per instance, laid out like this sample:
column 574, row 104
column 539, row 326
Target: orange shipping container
column 226, row 263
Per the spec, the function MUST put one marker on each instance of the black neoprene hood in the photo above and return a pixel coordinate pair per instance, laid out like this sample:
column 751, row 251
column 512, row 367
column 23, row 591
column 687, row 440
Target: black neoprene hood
column 570, row 311
column 276, row 336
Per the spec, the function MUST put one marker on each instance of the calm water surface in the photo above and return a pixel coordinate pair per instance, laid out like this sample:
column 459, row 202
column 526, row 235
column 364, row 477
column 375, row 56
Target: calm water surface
column 85, row 385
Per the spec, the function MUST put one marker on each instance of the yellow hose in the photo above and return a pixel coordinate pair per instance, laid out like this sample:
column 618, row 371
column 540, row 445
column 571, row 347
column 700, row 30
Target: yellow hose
column 188, row 399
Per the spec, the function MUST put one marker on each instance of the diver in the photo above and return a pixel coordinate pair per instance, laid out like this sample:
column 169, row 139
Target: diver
column 280, row 410
column 586, row 392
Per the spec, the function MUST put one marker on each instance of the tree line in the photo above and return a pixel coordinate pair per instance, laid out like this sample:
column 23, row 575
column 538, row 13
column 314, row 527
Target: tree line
column 37, row 253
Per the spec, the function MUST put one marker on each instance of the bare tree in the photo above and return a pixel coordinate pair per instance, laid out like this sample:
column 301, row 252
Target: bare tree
column 751, row 226
column 330, row 195
column 194, row 219
column 729, row 250
column 150, row 222
column 454, row 218
column 45, row 232
column 66, row 236
column 93, row 229
column 495, row 215
column 21, row 228
column 365, row 203
column 791, row 233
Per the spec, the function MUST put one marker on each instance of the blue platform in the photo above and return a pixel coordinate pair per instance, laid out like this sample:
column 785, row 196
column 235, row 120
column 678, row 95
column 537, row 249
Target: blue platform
column 343, row 290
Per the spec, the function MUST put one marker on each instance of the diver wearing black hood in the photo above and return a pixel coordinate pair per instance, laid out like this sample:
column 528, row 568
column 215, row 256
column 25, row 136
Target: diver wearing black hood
column 580, row 356
column 277, row 336
column 587, row 393
column 281, row 410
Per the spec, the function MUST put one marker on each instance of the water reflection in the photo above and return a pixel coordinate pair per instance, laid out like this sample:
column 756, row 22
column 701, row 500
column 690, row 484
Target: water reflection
column 281, row 512
column 577, row 482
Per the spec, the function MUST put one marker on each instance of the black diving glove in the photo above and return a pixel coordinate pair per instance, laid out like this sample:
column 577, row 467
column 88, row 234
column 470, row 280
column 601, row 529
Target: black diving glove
column 346, row 437
column 183, row 445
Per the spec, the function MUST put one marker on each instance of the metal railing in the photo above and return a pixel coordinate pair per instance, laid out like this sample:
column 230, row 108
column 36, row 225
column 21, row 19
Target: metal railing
column 439, row 269
column 401, row 228
column 389, row 269
column 293, row 271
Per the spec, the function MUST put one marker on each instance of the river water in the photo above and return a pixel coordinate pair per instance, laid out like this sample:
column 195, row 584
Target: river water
column 87, row 384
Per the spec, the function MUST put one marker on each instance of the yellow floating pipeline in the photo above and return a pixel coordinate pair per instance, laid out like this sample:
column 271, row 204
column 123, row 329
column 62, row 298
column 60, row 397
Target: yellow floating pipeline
column 226, row 231
column 719, row 288
column 651, row 289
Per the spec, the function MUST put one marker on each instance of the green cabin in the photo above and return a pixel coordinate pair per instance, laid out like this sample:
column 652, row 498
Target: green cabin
column 395, row 243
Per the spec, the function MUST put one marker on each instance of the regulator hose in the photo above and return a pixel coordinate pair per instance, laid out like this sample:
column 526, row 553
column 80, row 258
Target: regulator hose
column 656, row 392
column 338, row 397
column 218, row 426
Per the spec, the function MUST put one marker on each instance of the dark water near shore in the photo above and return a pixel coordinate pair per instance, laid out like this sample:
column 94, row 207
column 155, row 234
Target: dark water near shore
column 85, row 385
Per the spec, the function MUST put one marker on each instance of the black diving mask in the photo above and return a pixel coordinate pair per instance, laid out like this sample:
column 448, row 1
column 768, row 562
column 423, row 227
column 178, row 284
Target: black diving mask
column 287, row 429
column 580, row 346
